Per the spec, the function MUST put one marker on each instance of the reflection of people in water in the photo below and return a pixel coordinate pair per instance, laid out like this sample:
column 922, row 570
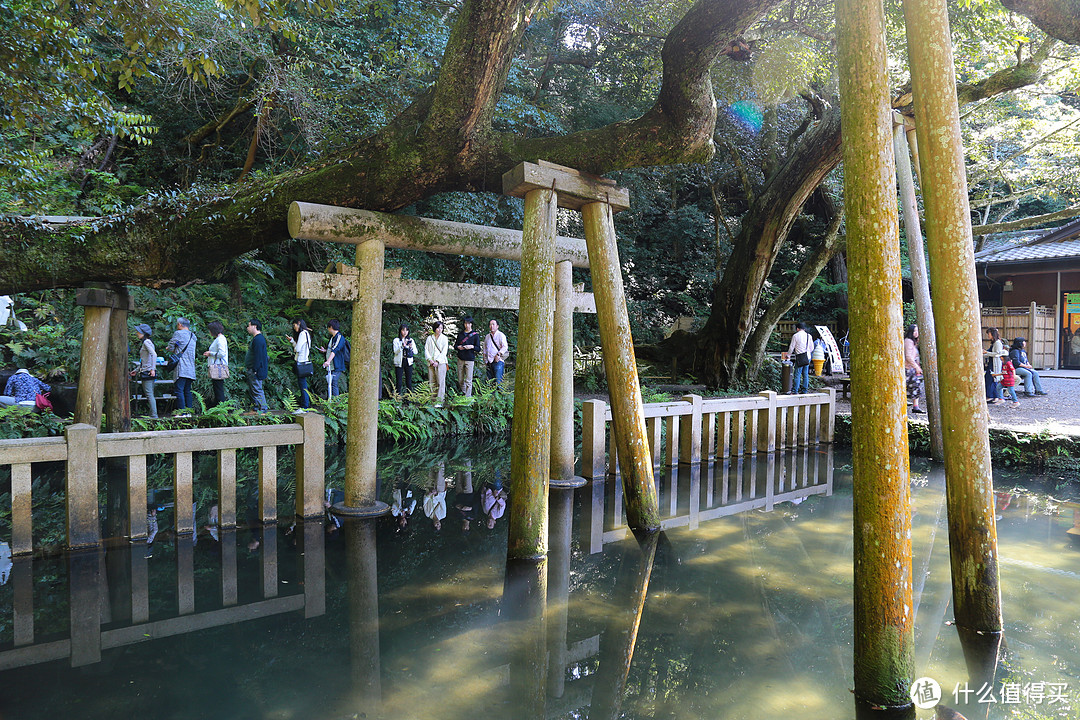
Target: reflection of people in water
column 466, row 501
column 435, row 507
column 403, row 506
column 493, row 503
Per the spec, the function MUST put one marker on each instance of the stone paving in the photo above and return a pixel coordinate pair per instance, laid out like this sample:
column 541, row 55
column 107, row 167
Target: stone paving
column 1058, row 412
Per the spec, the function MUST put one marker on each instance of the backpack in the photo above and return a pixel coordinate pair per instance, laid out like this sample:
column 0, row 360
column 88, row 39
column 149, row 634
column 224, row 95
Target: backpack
column 346, row 351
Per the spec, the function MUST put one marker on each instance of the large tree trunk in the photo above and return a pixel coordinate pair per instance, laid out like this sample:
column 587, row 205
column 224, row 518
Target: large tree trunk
column 1057, row 18
column 763, row 230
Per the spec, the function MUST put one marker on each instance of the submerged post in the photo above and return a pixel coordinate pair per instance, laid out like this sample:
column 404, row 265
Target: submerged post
column 530, row 440
column 968, row 479
column 884, row 657
column 920, row 283
column 627, row 410
column 362, row 438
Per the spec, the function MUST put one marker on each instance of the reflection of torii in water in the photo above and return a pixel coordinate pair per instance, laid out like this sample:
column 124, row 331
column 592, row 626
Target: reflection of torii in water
column 543, row 400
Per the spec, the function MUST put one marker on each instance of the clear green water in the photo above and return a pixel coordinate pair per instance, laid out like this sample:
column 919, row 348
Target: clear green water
column 744, row 612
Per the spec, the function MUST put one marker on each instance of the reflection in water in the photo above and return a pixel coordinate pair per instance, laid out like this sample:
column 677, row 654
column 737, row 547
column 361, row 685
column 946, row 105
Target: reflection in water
column 745, row 613
column 620, row 636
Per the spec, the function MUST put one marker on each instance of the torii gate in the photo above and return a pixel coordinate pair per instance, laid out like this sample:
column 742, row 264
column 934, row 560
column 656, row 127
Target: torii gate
column 542, row 438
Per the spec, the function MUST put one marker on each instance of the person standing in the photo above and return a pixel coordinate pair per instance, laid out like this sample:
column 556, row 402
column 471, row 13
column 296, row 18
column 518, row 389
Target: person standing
column 335, row 358
column 217, row 360
column 912, row 369
column 993, row 366
column 146, row 373
column 468, row 340
column 435, row 352
column 182, row 344
column 257, row 363
column 799, row 351
column 301, row 344
column 404, row 354
column 1025, row 370
column 496, row 350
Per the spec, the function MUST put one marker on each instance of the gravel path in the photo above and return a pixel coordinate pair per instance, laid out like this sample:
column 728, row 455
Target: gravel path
column 1058, row 412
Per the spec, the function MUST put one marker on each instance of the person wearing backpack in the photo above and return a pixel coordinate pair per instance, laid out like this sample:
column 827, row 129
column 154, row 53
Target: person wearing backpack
column 337, row 354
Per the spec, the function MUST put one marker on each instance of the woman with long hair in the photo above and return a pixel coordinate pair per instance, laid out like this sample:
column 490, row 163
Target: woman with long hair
column 301, row 342
column 404, row 353
column 912, row 368
column 993, row 357
column 217, row 358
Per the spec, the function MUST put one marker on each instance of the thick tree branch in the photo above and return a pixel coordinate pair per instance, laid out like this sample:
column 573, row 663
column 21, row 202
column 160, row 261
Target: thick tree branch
column 1057, row 18
column 1026, row 223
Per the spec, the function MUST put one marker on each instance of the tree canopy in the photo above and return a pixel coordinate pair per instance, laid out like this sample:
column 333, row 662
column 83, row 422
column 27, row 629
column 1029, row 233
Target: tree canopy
column 186, row 134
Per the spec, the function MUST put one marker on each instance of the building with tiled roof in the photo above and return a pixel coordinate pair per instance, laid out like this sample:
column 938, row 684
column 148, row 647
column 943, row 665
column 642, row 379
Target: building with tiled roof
column 1039, row 267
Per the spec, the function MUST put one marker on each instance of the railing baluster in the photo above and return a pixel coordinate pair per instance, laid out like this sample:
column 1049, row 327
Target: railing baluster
column 671, row 422
column 268, row 484
column 185, row 575
column 269, row 561
column 137, row 496
column 227, row 489
column 228, row 567
column 22, row 580
column 22, row 527
column 724, row 434
column 182, row 493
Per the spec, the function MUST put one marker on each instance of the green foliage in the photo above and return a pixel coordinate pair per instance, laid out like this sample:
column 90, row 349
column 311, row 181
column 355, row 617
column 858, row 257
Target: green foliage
column 20, row 422
column 418, row 417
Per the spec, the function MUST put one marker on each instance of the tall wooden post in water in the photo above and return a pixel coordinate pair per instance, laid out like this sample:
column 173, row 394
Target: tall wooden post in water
column 530, row 440
column 882, row 515
column 627, row 410
column 920, row 283
column 968, row 481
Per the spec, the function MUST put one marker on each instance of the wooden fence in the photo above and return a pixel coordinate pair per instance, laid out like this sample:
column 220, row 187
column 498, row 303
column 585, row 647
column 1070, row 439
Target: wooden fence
column 82, row 446
column 1037, row 323
column 700, row 430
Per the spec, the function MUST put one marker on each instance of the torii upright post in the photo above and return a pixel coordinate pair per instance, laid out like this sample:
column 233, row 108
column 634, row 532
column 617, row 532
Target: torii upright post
column 968, row 477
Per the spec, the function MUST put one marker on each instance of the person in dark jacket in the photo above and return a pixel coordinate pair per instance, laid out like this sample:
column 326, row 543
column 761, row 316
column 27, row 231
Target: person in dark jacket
column 468, row 342
column 257, row 363
column 1024, row 369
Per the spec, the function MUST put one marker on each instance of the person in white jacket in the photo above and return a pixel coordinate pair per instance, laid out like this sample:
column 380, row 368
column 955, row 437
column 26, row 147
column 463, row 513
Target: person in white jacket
column 301, row 342
column 435, row 352
column 801, row 343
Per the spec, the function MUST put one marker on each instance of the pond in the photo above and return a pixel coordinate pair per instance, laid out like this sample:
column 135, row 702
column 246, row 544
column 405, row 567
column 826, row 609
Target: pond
column 741, row 609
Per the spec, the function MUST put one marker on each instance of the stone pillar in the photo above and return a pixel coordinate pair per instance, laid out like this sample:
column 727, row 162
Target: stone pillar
column 81, row 491
column 884, row 642
column 117, row 380
column 364, row 377
column 530, row 450
column 627, row 410
column 968, row 474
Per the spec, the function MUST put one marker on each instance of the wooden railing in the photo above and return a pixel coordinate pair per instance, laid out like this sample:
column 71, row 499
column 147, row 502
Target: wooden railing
column 127, row 611
column 700, row 430
column 82, row 446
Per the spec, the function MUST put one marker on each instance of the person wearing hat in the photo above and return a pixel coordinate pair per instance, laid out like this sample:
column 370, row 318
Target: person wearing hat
column 182, row 344
column 147, row 370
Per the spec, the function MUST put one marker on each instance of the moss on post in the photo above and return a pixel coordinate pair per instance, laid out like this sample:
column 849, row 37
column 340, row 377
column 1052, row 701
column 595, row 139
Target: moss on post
column 882, row 517
column 530, row 440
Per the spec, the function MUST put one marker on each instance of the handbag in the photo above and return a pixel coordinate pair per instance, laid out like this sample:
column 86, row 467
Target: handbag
column 173, row 360
column 42, row 402
column 304, row 369
column 802, row 359
column 219, row 371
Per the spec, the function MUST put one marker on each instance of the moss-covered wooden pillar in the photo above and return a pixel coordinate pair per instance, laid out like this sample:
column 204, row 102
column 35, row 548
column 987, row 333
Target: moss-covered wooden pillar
column 562, row 381
column 361, row 441
column 627, row 410
column 882, row 516
column 968, row 481
column 530, row 439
